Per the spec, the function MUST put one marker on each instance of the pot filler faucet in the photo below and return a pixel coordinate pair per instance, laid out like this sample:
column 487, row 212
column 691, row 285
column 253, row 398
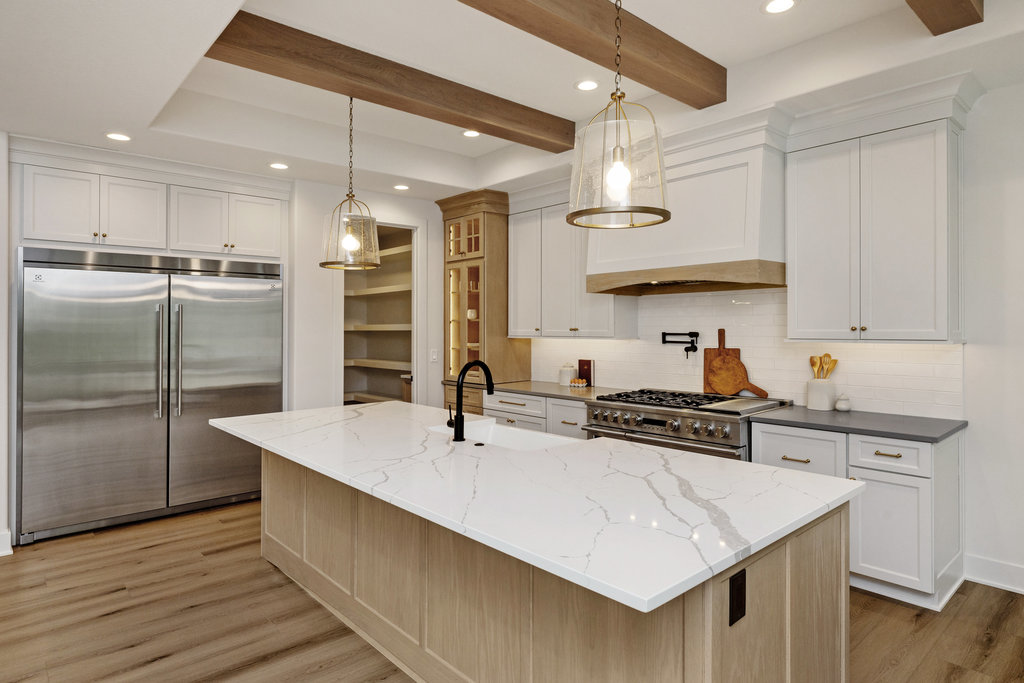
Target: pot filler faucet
column 459, row 422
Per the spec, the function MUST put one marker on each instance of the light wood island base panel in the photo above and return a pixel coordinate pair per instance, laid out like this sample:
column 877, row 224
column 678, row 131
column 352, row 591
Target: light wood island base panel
column 446, row 608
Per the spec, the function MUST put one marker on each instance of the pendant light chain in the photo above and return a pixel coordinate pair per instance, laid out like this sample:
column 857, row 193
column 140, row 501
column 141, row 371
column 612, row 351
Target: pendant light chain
column 350, row 193
column 618, row 44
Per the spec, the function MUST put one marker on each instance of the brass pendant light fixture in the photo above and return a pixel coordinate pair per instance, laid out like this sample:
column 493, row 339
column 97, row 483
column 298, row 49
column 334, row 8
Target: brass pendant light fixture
column 618, row 172
column 350, row 240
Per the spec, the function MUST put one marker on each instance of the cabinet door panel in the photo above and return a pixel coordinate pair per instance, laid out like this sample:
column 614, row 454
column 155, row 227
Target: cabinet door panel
column 904, row 222
column 60, row 205
column 133, row 213
column 198, row 219
column 804, row 450
column 823, row 242
column 255, row 225
column 524, row 274
column 890, row 529
column 567, row 418
column 560, row 278
column 595, row 313
column 536, row 424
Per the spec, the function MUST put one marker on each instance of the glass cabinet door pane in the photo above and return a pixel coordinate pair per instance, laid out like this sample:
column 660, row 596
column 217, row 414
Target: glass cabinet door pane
column 455, row 318
column 455, row 238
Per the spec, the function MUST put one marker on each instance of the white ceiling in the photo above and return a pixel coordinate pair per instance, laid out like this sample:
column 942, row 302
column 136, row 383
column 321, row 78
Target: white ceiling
column 75, row 70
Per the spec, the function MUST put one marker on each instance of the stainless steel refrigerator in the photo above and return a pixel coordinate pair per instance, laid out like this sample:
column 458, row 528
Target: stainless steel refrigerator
column 122, row 361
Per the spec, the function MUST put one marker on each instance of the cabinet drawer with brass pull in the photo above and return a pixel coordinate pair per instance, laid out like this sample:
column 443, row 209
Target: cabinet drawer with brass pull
column 566, row 417
column 517, row 421
column 891, row 455
column 521, row 404
column 796, row 448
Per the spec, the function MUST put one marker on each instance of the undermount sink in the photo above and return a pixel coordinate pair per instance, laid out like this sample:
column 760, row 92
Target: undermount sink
column 494, row 434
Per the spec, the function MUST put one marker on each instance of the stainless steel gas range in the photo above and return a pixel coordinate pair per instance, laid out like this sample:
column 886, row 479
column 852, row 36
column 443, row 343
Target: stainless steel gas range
column 703, row 423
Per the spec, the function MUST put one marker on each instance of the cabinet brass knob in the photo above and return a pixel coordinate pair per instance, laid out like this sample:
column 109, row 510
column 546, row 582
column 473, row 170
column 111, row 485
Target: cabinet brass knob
column 853, row 328
column 574, row 329
column 862, row 328
column 225, row 245
column 95, row 234
column 104, row 234
column 510, row 420
column 853, row 478
column 232, row 246
column 536, row 329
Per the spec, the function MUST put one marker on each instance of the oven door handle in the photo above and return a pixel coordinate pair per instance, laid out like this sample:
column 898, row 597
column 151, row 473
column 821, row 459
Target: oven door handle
column 602, row 431
column 735, row 452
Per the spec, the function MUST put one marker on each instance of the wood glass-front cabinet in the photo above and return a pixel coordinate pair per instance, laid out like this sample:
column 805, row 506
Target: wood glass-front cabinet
column 476, row 289
column 873, row 237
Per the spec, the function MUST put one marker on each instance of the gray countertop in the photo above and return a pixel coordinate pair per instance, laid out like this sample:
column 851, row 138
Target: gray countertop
column 911, row 427
column 550, row 390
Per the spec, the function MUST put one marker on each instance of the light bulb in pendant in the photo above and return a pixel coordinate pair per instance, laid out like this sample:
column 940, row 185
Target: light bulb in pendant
column 349, row 242
column 618, row 177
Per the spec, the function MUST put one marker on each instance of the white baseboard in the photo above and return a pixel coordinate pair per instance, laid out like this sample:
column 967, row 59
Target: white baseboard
column 996, row 573
column 5, row 542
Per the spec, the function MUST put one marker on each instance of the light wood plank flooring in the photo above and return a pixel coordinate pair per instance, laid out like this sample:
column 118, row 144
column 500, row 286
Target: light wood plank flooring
column 185, row 598
column 189, row 598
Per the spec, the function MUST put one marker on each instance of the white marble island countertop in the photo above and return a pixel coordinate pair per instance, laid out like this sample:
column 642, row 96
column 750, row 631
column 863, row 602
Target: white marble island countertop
column 638, row 524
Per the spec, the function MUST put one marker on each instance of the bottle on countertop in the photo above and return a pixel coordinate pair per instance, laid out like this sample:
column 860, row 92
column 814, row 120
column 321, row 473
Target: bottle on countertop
column 566, row 374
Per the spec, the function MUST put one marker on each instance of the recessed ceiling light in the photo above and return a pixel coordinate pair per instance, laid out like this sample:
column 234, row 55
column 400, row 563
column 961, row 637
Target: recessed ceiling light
column 120, row 137
column 401, row 187
column 279, row 166
column 778, row 6
column 471, row 133
column 586, row 85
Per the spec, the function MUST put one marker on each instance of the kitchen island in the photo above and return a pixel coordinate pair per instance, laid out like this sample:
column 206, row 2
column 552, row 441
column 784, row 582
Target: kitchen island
column 554, row 559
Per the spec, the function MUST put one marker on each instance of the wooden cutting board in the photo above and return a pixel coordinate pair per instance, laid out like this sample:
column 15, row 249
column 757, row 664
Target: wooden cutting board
column 724, row 372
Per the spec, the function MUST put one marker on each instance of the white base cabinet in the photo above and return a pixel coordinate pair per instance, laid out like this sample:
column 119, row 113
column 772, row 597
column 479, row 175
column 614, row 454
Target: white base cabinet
column 547, row 292
column 873, row 237
column 528, row 411
column 906, row 528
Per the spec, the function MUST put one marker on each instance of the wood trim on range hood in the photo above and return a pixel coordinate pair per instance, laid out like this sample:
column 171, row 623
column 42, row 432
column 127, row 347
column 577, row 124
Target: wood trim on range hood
column 704, row 277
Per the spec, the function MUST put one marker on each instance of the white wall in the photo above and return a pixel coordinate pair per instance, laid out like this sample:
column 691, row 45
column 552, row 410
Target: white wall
column 994, row 374
column 911, row 379
column 316, row 296
column 6, row 244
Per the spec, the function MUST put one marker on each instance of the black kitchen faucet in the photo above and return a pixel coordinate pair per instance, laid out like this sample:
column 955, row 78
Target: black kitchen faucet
column 459, row 421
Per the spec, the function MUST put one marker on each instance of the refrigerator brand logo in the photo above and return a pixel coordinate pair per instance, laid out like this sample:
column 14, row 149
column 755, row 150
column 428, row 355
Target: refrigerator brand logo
column 38, row 277
column 272, row 287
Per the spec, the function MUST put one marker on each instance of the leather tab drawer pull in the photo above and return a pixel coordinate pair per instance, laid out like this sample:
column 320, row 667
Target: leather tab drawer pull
column 806, row 462
column 889, row 455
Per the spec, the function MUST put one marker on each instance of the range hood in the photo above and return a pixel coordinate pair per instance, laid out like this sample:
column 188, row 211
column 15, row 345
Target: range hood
column 726, row 232
column 709, row 277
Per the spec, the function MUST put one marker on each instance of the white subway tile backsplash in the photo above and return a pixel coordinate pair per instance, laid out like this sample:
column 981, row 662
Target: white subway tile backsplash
column 912, row 379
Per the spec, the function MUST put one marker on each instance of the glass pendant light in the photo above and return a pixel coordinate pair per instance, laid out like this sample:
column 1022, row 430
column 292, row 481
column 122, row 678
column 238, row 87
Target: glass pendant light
column 618, row 173
column 350, row 239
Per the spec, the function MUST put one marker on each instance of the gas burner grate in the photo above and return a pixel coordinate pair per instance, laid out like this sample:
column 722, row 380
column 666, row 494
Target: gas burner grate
column 668, row 399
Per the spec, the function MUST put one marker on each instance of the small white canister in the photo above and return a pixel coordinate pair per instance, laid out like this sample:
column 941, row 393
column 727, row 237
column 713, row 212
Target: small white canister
column 821, row 394
column 566, row 374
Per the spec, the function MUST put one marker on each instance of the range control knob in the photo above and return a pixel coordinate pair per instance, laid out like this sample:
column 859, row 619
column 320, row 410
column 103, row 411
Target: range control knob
column 605, row 415
column 615, row 417
column 709, row 429
column 722, row 431
column 692, row 427
column 673, row 425
column 637, row 420
column 595, row 414
column 624, row 419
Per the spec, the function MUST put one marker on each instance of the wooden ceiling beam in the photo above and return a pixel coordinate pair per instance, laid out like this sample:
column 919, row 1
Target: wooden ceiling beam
column 263, row 45
column 587, row 28
column 943, row 16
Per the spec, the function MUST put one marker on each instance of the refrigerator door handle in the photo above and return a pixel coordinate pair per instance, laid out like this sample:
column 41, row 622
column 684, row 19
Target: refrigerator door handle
column 159, row 361
column 181, row 317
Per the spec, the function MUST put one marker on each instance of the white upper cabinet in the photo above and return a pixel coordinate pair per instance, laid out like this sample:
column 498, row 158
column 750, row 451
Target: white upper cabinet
column 224, row 223
column 198, row 219
column 255, row 225
column 72, row 206
column 547, row 282
column 60, row 205
column 133, row 213
column 524, row 260
column 873, row 237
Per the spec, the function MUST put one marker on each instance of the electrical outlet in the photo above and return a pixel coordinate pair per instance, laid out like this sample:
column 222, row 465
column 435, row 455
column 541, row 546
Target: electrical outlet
column 433, row 355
